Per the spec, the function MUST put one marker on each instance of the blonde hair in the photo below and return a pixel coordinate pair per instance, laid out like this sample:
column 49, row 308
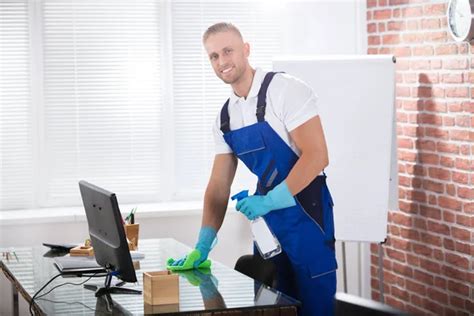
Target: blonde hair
column 220, row 27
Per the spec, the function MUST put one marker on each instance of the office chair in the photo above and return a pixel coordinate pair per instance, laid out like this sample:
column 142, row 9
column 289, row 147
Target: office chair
column 257, row 268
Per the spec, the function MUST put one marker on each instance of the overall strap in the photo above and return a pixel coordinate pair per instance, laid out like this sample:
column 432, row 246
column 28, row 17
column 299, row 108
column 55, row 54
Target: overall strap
column 225, row 119
column 262, row 96
column 261, row 104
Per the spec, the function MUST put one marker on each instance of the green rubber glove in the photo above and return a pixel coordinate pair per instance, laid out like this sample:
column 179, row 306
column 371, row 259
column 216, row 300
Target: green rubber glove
column 188, row 262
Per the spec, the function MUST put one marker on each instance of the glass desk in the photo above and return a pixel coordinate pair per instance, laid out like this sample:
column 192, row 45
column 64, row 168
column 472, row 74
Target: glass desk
column 220, row 291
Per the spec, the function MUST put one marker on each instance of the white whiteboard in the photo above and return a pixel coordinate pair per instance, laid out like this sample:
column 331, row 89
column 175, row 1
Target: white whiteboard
column 356, row 101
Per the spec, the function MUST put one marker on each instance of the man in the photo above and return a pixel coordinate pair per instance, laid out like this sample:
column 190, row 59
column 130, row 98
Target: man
column 271, row 123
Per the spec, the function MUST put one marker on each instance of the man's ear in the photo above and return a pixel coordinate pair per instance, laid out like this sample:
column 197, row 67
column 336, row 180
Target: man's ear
column 247, row 49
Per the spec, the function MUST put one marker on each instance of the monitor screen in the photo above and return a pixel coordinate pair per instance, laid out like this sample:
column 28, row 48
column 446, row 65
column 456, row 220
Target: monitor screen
column 107, row 232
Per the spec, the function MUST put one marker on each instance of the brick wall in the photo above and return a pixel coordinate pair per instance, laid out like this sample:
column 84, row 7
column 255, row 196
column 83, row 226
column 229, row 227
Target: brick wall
column 428, row 257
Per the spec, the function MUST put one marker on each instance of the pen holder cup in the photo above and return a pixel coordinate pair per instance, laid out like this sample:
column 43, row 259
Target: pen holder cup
column 131, row 231
column 160, row 288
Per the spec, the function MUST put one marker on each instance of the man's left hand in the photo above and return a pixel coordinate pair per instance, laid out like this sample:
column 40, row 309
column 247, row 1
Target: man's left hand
column 258, row 205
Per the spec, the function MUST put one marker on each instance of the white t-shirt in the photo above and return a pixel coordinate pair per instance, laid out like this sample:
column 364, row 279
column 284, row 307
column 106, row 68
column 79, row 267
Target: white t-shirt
column 290, row 103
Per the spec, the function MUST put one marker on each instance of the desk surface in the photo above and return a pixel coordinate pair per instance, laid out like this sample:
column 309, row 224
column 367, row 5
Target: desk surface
column 221, row 289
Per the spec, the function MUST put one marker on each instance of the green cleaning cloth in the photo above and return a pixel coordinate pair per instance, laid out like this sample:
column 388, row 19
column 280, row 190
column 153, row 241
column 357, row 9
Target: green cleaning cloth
column 188, row 262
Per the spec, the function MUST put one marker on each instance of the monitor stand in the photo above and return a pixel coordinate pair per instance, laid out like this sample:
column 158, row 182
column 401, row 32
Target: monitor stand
column 107, row 289
column 105, row 305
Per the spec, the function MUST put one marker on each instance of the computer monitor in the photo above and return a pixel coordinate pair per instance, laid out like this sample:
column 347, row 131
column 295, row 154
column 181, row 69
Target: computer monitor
column 108, row 237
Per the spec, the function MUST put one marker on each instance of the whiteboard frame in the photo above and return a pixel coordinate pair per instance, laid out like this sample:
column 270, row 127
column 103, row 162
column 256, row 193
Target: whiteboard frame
column 304, row 67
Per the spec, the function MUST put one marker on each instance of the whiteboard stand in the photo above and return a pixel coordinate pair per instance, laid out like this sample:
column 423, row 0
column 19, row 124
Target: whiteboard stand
column 344, row 270
column 380, row 268
column 380, row 249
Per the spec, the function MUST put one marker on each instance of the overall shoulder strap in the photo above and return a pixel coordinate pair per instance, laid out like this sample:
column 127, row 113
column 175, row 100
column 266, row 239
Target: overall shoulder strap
column 261, row 104
column 262, row 96
column 225, row 119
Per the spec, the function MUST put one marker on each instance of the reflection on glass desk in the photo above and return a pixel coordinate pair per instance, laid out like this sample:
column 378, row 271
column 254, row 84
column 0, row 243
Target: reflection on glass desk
column 218, row 289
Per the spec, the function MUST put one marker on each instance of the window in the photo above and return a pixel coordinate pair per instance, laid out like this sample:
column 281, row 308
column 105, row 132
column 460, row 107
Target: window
column 102, row 98
column 119, row 93
column 16, row 111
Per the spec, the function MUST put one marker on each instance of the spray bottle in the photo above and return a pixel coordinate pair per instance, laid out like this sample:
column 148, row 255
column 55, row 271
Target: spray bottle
column 266, row 242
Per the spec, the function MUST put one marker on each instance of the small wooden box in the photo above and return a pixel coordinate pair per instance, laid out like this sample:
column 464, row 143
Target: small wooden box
column 160, row 309
column 86, row 251
column 160, row 288
column 131, row 231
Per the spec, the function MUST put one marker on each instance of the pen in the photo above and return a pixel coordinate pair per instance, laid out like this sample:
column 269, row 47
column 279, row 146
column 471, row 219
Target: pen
column 130, row 216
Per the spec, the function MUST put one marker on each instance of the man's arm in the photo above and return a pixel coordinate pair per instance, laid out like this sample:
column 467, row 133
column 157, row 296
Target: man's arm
column 215, row 205
column 309, row 138
column 218, row 190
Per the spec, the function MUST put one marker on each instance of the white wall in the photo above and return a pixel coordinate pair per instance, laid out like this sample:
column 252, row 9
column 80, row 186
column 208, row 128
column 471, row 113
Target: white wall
column 324, row 27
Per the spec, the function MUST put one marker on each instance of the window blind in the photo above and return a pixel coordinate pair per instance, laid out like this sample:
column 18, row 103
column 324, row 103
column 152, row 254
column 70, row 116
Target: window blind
column 102, row 98
column 198, row 93
column 119, row 93
column 16, row 124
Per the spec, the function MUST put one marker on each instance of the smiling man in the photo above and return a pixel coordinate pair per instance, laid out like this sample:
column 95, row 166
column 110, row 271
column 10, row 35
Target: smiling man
column 229, row 58
column 271, row 123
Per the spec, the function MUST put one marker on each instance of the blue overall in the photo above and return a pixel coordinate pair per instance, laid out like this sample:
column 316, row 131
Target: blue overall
column 306, row 267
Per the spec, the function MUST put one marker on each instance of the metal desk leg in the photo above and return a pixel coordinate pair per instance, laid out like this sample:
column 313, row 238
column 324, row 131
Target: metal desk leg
column 15, row 305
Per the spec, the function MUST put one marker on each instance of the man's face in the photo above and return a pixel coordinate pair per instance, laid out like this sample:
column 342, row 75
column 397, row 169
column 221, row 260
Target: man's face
column 228, row 55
